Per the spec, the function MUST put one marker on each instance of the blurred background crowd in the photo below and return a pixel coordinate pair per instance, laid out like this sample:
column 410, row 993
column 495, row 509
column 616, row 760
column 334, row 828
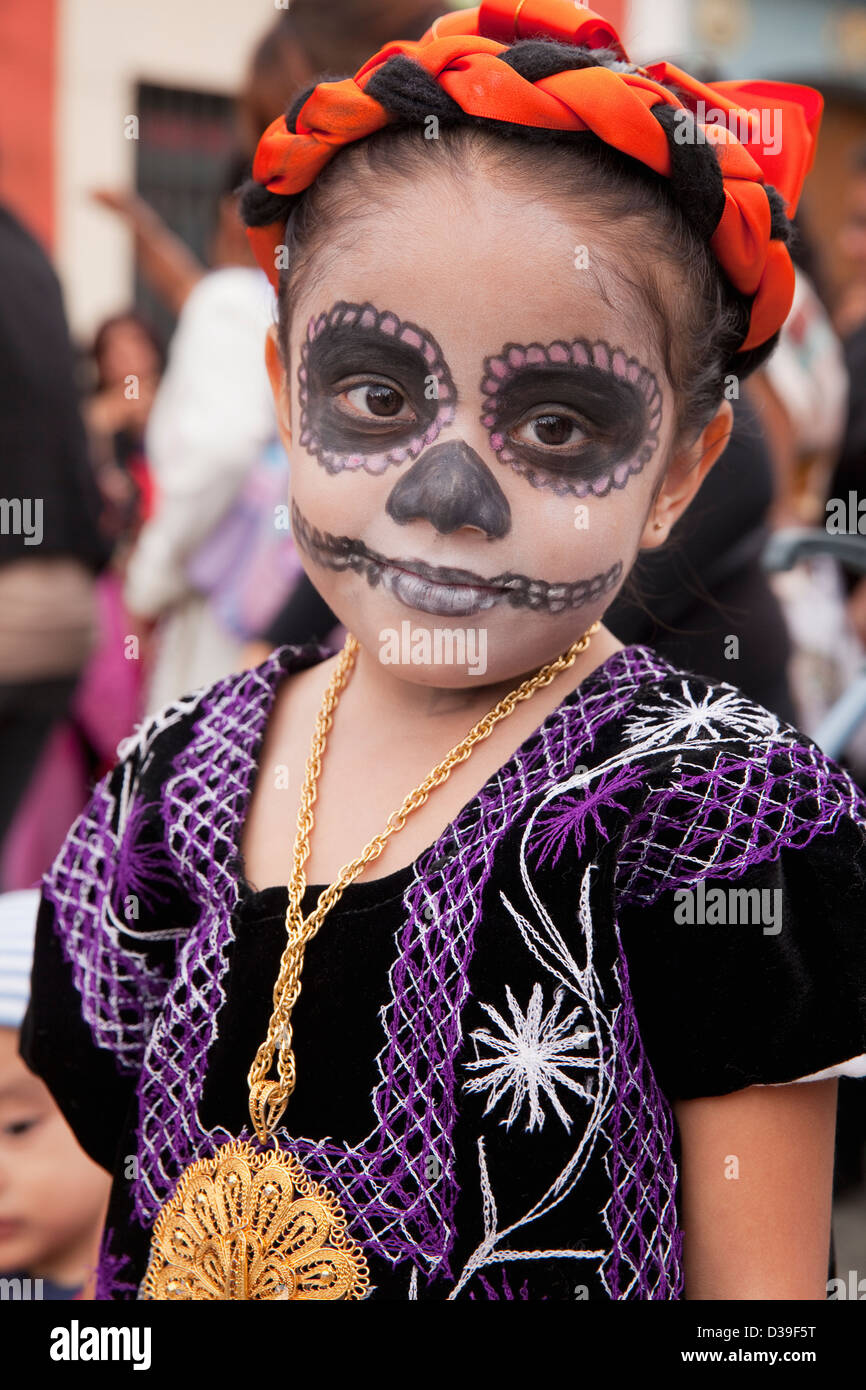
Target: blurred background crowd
column 134, row 402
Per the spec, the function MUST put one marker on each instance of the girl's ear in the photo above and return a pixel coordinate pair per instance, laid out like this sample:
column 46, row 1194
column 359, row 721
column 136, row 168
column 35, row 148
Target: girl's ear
column 280, row 386
column 684, row 474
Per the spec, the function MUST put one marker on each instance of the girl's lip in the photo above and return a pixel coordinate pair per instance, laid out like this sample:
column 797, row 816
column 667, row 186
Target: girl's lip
column 441, row 599
column 8, row 1227
column 445, row 575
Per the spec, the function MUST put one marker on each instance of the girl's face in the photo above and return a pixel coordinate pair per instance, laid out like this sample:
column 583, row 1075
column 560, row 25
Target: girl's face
column 477, row 420
column 52, row 1197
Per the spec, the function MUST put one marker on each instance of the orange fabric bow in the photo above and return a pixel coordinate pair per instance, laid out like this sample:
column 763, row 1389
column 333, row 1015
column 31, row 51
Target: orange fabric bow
column 461, row 52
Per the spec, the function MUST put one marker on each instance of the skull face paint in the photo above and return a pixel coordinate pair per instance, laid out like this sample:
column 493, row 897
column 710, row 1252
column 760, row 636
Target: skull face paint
column 445, row 590
column 374, row 390
column 534, row 568
column 578, row 418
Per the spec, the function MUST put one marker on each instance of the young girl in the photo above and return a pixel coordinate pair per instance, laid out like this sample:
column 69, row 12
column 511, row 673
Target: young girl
column 578, row 918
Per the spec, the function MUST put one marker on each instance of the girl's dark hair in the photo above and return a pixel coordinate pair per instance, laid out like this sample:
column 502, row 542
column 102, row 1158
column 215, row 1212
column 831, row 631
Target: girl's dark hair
column 665, row 221
column 312, row 36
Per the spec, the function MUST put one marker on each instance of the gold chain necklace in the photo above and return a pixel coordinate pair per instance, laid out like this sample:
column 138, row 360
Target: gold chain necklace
column 245, row 1224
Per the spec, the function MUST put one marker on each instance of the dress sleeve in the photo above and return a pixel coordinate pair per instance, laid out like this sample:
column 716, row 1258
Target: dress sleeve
column 103, row 955
column 742, row 916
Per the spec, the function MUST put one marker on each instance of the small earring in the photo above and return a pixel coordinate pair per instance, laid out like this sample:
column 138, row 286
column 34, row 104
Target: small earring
column 658, row 525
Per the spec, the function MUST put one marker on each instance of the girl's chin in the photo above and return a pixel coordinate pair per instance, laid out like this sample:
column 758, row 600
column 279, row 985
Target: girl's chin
column 458, row 654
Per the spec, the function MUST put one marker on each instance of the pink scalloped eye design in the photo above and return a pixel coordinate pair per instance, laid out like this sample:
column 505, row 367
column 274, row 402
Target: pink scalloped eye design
column 367, row 316
column 580, row 353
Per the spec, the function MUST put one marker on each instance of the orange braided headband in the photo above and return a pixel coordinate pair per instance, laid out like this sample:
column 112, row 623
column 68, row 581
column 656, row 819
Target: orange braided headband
column 461, row 51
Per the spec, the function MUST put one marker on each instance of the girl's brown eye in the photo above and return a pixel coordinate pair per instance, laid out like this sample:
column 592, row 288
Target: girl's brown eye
column 382, row 400
column 377, row 399
column 551, row 429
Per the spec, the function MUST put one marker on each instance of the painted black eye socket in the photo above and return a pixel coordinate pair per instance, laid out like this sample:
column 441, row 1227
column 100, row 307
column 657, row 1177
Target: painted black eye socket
column 373, row 390
column 576, row 417
column 570, row 422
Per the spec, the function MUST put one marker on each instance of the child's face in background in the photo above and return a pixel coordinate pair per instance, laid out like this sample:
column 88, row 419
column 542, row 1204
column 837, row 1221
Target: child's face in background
column 52, row 1197
column 478, row 422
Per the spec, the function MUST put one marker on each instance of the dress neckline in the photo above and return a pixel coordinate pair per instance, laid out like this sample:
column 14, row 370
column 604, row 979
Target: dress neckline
column 377, row 892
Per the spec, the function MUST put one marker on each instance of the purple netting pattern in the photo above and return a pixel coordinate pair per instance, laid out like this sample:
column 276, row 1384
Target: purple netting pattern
column 645, row 1260
column 120, row 991
column 725, row 819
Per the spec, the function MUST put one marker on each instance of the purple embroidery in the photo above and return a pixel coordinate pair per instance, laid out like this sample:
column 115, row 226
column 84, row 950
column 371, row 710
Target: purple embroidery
column 740, row 812
column 645, row 1261
column 110, row 1283
column 569, row 815
column 120, row 992
column 203, row 806
column 491, row 1293
column 140, row 866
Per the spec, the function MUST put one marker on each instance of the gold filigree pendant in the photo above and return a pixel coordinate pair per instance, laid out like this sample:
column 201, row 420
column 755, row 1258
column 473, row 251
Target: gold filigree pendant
column 248, row 1225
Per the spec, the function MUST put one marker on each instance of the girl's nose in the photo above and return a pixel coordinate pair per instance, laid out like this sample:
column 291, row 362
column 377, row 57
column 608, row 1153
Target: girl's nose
column 451, row 486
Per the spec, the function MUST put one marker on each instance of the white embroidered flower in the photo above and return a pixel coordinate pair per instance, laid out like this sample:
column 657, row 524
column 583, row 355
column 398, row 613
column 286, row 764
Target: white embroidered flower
column 530, row 1057
column 718, row 713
